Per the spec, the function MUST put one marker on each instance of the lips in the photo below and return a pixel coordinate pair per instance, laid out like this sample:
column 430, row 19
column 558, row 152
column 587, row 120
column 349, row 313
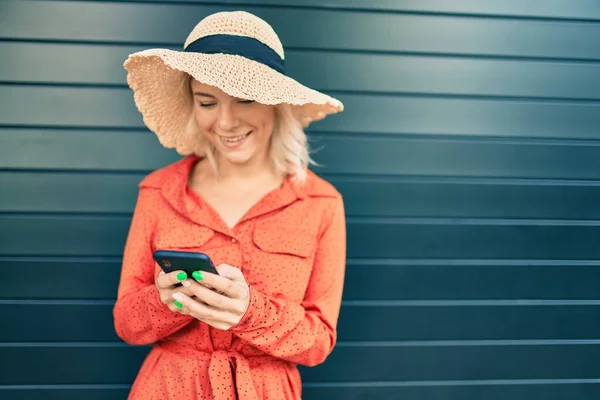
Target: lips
column 234, row 141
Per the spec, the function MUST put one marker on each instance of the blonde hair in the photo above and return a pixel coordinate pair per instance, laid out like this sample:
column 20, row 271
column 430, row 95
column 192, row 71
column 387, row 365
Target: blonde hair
column 289, row 150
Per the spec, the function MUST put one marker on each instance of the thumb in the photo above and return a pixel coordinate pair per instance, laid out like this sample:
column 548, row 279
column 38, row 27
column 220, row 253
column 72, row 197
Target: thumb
column 230, row 272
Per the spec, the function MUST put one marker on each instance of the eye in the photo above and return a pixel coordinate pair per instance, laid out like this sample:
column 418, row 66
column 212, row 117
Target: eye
column 246, row 101
column 206, row 105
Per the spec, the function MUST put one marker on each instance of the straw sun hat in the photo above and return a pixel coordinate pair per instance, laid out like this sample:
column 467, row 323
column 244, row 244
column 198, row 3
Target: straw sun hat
column 238, row 53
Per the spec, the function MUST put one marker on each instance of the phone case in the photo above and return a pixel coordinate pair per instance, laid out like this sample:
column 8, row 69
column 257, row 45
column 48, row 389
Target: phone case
column 170, row 260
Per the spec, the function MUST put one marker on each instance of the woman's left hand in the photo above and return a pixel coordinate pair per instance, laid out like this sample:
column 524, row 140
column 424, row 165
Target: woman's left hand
column 219, row 300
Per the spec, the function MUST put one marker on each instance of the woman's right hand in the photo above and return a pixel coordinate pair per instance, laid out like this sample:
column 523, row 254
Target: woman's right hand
column 168, row 284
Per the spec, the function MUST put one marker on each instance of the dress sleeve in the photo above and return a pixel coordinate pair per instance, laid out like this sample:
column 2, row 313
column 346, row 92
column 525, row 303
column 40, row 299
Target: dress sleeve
column 303, row 333
column 140, row 317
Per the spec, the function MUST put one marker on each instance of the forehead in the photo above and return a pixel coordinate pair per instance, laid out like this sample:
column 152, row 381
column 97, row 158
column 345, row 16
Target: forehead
column 202, row 88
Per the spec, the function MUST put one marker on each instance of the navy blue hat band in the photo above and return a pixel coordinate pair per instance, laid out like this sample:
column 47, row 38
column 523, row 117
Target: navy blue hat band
column 238, row 45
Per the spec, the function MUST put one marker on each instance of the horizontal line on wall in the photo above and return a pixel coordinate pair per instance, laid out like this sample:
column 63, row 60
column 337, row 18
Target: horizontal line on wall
column 66, row 85
column 438, row 137
column 79, row 128
column 67, row 215
column 363, row 9
column 345, row 303
column 433, row 343
column 391, row 384
column 349, row 220
column 468, row 303
column 340, row 177
column 315, row 135
column 65, row 344
column 53, row 302
column 381, row 178
column 353, row 262
column 459, row 96
column 461, row 262
column 78, row 171
column 469, row 221
column 305, row 49
column 469, row 343
column 365, row 93
column 486, row 382
column 97, row 386
column 65, row 259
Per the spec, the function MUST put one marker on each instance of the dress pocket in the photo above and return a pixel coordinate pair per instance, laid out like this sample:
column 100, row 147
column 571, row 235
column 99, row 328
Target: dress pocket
column 296, row 242
column 283, row 261
column 183, row 238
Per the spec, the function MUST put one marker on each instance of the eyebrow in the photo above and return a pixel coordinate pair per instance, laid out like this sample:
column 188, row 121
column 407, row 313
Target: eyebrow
column 204, row 94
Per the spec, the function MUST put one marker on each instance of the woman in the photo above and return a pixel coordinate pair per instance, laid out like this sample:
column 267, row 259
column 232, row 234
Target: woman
column 244, row 196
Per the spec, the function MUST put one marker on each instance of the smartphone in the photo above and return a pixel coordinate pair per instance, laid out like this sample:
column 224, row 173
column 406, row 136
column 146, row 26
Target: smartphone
column 170, row 260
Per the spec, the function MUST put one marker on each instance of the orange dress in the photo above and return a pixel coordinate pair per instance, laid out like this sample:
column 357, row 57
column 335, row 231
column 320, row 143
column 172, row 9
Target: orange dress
column 291, row 247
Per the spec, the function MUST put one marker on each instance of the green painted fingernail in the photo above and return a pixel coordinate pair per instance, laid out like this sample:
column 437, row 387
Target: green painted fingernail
column 181, row 276
column 178, row 304
column 197, row 275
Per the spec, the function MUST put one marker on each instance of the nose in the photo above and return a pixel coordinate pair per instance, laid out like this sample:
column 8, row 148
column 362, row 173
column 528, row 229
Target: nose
column 227, row 118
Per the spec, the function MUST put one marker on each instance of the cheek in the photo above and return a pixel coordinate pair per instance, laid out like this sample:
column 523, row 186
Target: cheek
column 266, row 124
column 203, row 120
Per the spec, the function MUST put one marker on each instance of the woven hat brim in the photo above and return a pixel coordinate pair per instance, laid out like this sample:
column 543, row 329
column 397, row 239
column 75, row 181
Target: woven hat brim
column 157, row 75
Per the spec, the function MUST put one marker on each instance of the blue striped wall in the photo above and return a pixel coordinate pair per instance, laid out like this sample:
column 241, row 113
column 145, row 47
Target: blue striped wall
column 468, row 155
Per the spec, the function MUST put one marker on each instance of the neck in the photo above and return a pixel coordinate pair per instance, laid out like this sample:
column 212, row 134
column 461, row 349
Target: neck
column 255, row 168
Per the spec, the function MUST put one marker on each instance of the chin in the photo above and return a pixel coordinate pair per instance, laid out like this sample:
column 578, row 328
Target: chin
column 238, row 158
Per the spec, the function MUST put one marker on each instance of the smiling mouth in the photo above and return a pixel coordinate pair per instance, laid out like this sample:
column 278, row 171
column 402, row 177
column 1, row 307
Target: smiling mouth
column 234, row 139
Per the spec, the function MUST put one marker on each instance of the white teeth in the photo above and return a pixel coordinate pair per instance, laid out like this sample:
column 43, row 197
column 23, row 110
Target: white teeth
column 234, row 139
